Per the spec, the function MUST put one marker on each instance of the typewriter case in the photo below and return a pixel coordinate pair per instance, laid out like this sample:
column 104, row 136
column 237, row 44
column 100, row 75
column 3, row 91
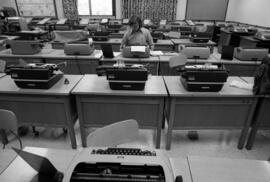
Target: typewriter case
column 204, row 80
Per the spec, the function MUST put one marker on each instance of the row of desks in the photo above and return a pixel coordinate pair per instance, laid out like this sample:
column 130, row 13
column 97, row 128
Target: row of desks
column 191, row 168
column 157, row 65
column 90, row 98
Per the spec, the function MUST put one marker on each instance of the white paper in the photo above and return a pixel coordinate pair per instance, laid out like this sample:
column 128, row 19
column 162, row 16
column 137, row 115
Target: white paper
column 62, row 21
column 163, row 22
column 241, row 84
column 156, row 53
column 115, row 54
column 146, row 22
column 104, row 20
column 137, row 48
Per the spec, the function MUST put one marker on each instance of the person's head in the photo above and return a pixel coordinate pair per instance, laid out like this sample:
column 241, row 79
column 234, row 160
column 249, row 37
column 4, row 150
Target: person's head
column 135, row 23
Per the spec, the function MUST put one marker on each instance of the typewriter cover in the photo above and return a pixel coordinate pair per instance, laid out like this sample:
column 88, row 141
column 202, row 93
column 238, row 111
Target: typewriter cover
column 25, row 47
column 78, row 48
column 250, row 54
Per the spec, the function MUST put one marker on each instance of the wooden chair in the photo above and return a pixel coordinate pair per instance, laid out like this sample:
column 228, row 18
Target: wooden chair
column 114, row 134
column 8, row 122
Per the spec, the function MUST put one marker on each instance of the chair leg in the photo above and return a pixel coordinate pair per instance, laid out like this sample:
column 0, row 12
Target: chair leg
column 36, row 133
column 3, row 137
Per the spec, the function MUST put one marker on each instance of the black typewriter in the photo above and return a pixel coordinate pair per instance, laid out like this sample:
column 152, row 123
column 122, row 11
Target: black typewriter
column 35, row 75
column 204, row 78
column 124, row 151
column 200, row 37
column 101, row 36
column 128, row 77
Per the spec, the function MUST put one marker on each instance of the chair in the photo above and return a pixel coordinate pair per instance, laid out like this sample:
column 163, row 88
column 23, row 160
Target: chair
column 8, row 122
column 2, row 66
column 114, row 134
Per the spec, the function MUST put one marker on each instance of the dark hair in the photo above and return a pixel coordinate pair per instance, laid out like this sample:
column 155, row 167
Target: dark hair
column 135, row 19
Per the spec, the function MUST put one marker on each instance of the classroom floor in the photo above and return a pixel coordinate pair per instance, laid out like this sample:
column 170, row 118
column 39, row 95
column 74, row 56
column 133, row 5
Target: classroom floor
column 212, row 143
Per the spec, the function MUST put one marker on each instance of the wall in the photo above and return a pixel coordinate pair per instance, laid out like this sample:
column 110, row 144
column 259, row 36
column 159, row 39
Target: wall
column 253, row 12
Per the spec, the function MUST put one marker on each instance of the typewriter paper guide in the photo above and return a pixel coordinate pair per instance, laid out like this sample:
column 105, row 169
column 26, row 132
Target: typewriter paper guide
column 160, row 159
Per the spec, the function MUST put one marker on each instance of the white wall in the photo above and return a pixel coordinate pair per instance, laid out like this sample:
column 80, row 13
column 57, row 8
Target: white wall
column 255, row 12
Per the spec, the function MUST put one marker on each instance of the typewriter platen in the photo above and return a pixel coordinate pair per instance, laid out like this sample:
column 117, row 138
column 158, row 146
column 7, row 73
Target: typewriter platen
column 120, row 164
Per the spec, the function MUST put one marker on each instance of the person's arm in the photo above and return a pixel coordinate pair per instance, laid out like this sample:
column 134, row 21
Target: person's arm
column 124, row 41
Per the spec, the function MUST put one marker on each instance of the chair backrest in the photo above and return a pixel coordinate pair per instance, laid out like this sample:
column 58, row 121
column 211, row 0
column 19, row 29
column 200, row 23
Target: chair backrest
column 2, row 66
column 114, row 134
column 8, row 120
column 176, row 61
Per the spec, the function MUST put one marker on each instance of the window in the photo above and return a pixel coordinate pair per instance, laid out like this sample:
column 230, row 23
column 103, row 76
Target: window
column 96, row 7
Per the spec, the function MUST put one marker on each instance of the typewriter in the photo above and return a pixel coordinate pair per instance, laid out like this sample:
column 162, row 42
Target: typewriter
column 133, row 52
column 250, row 54
column 200, row 37
column 195, row 52
column 127, row 77
column 263, row 35
column 101, row 36
column 35, row 75
column 203, row 78
column 120, row 164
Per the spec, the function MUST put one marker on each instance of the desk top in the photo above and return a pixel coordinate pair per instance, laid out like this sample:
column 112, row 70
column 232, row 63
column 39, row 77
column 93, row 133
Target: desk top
column 211, row 59
column 164, row 42
column 20, row 171
column 176, row 89
column 189, row 42
column 120, row 57
column 206, row 169
column 8, row 86
column 60, row 54
column 217, row 56
column 94, row 85
column 42, row 54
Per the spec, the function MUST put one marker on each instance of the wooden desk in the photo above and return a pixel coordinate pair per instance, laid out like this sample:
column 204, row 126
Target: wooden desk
column 164, row 45
column 20, row 171
column 53, row 107
column 209, row 169
column 237, row 67
column 164, row 68
column 152, row 63
column 188, row 42
column 98, row 105
column 230, row 108
column 261, row 121
column 75, row 64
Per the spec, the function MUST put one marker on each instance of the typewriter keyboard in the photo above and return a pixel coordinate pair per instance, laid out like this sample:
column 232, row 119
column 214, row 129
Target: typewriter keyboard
column 124, row 151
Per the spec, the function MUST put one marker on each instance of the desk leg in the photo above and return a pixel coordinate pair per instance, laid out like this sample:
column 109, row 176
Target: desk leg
column 244, row 131
column 160, row 122
column 170, row 126
column 257, row 123
column 70, row 125
column 81, row 121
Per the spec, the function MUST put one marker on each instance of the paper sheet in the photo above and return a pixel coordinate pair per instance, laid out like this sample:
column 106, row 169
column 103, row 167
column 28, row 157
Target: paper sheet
column 156, row 53
column 137, row 48
column 62, row 21
column 241, row 84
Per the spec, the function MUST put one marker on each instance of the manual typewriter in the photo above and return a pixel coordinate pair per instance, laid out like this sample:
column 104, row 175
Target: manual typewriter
column 129, row 52
column 203, row 78
column 120, row 164
column 35, row 75
column 263, row 35
column 126, row 77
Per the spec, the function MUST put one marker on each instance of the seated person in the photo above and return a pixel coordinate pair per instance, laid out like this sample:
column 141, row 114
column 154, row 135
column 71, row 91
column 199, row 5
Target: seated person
column 136, row 35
